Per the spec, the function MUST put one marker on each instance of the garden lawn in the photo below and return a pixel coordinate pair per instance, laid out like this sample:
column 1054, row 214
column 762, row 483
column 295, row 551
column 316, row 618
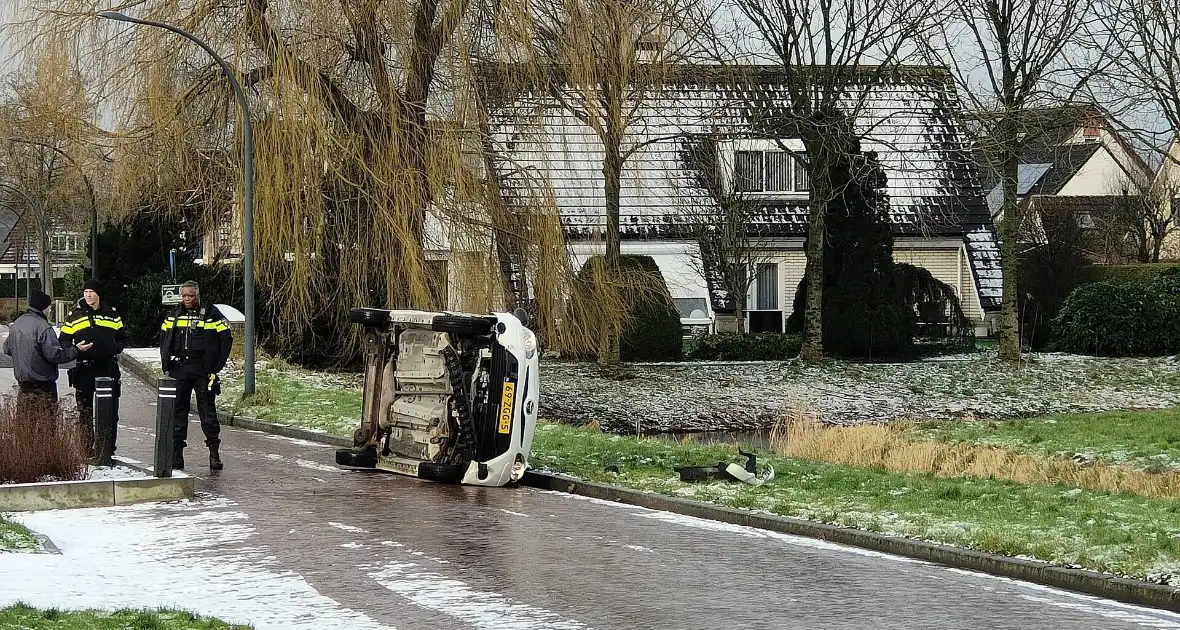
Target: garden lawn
column 14, row 537
column 1117, row 533
column 295, row 397
column 21, row 616
column 1147, row 440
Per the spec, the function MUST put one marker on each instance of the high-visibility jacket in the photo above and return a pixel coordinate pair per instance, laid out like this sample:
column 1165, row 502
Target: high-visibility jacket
column 200, row 335
column 100, row 326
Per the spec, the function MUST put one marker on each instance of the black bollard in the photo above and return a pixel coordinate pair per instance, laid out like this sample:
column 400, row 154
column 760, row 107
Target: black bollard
column 104, row 420
column 165, row 408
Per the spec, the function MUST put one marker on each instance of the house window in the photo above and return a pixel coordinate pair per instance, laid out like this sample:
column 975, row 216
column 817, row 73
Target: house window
column 766, row 285
column 66, row 243
column 692, row 308
column 1085, row 220
column 747, row 171
column 768, row 171
column 802, row 184
column 223, row 235
column 1175, row 212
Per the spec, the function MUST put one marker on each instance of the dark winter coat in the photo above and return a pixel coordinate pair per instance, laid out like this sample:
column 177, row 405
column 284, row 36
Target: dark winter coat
column 35, row 349
column 102, row 327
column 209, row 330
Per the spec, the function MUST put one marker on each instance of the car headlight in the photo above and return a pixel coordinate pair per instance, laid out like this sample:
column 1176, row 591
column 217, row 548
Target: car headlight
column 530, row 343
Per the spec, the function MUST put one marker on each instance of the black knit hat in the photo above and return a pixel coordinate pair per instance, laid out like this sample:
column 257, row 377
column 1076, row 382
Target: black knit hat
column 93, row 285
column 38, row 300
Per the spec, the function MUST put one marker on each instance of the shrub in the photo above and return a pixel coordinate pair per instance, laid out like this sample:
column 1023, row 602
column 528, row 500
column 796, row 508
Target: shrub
column 640, row 305
column 38, row 442
column 731, row 346
column 1119, row 319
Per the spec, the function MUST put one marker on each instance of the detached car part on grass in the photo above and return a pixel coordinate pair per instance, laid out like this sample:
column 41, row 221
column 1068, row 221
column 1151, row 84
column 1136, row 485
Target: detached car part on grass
column 729, row 472
column 448, row 397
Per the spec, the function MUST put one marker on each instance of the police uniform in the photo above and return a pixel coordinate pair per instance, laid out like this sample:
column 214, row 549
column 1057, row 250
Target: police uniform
column 194, row 347
column 102, row 327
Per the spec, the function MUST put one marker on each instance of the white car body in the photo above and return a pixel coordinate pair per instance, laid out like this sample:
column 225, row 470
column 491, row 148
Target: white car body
column 449, row 397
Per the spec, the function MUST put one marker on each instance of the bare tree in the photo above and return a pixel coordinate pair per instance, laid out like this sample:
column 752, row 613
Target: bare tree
column 1142, row 219
column 832, row 53
column 1009, row 57
column 603, row 62
column 730, row 244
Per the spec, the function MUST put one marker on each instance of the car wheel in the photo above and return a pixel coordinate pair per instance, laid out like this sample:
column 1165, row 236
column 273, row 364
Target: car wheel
column 461, row 325
column 357, row 458
column 442, row 473
column 373, row 317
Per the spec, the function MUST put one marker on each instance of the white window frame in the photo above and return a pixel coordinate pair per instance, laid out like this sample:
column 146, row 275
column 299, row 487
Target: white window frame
column 728, row 157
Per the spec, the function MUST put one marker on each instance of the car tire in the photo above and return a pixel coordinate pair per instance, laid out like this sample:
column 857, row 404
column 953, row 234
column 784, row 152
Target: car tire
column 442, row 473
column 461, row 325
column 357, row 458
column 373, row 317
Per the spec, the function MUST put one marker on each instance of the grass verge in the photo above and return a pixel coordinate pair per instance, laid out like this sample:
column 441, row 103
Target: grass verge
column 27, row 617
column 1123, row 534
column 300, row 398
column 970, row 504
column 1145, row 440
column 15, row 537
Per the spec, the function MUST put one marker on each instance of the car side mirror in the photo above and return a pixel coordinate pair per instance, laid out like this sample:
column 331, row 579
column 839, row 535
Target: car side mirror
column 522, row 315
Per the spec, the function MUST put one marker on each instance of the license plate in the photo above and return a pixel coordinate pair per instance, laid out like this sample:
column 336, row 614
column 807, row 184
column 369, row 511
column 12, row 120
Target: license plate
column 506, row 407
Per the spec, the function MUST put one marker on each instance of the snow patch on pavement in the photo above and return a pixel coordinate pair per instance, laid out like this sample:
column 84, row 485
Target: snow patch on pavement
column 188, row 555
column 454, row 598
column 108, row 473
column 348, row 528
column 310, row 465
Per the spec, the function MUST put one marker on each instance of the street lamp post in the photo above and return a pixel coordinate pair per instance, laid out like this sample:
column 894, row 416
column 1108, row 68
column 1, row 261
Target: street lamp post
column 247, row 176
column 89, row 190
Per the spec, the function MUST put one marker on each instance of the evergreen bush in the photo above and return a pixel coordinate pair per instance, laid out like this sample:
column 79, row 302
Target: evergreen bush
column 731, row 346
column 1120, row 319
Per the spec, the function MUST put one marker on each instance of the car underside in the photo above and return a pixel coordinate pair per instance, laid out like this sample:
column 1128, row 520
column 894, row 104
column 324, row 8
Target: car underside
column 448, row 397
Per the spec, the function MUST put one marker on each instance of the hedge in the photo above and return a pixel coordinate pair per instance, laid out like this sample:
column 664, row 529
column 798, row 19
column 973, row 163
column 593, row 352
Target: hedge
column 1143, row 273
column 732, row 346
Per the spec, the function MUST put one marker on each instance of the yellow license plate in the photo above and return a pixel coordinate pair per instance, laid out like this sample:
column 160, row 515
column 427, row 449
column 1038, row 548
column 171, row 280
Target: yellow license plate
column 506, row 407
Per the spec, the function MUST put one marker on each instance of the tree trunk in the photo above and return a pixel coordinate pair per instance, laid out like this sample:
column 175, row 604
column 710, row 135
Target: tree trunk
column 1008, row 330
column 612, row 172
column 812, row 349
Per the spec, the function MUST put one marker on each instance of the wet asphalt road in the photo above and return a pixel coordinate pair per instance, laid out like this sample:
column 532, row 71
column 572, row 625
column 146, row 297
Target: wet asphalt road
column 417, row 555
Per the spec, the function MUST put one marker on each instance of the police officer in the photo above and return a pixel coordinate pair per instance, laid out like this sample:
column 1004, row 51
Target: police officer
column 195, row 342
column 95, row 321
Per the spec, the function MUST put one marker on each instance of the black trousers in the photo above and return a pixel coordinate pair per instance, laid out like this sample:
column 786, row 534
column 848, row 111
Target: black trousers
column 193, row 378
column 82, row 377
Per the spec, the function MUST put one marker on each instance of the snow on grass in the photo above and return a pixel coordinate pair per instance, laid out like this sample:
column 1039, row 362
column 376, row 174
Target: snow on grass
column 21, row 616
column 14, row 537
column 1121, row 534
column 737, row 396
column 192, row 555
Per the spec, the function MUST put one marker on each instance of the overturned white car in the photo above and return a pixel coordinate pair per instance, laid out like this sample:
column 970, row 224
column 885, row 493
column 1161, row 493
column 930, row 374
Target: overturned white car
column 448, row 397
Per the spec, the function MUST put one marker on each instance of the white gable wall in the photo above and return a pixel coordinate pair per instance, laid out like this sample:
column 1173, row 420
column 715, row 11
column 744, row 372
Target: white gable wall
column 1102, row 174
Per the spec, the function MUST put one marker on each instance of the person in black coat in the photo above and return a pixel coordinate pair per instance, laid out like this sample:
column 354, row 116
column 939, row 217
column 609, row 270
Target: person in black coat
column 195, row 343
column 94, row 321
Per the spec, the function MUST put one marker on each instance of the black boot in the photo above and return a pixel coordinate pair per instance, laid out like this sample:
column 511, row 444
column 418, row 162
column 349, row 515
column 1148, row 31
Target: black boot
column 178, row 459
column 215, row 458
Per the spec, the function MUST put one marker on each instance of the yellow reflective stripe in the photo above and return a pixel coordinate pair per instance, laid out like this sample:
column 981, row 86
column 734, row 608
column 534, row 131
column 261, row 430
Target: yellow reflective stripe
column 217, row 326
column 167, row 325
column 108, row 324
column 71, row 329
